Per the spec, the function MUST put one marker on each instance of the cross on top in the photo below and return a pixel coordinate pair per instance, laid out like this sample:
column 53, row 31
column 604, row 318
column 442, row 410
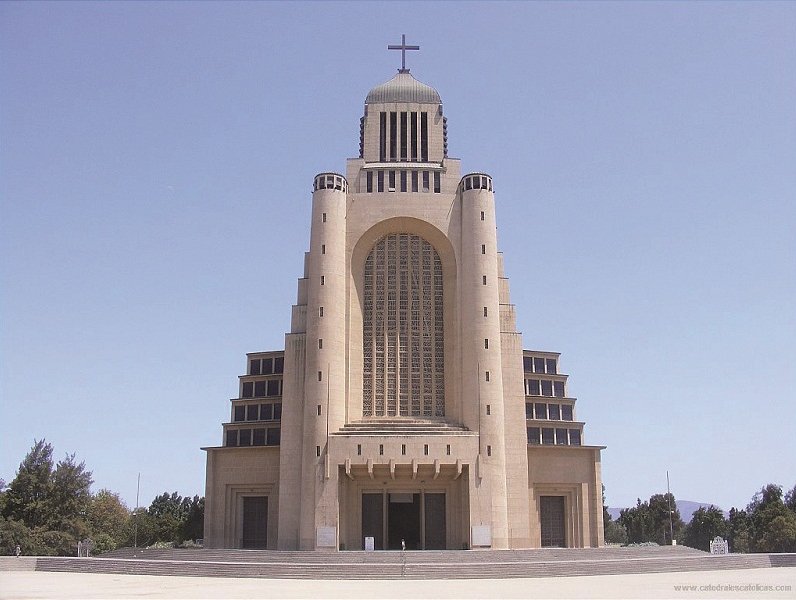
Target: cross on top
column 403, row 48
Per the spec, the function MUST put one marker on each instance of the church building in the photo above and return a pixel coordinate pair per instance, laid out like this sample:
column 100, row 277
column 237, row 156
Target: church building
column 403, row 410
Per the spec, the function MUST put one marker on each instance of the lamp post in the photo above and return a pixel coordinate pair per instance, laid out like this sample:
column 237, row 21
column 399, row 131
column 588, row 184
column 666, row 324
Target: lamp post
column 135, row 517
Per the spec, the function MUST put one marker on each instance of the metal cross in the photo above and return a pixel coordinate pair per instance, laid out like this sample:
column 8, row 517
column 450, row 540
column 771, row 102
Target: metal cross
column 403, row 48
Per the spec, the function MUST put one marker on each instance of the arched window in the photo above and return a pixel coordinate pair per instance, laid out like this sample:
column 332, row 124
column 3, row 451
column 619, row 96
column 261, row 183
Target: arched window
column 403, row 342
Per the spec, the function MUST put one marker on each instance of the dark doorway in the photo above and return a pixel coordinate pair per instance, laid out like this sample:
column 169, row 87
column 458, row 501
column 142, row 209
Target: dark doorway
column 373, row 519
column 435, row 521
column 551, row 510
column 403, row 521
column 255, row 522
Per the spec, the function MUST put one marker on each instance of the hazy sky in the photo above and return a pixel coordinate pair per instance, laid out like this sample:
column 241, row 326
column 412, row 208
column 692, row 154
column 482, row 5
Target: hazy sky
column 156, row 167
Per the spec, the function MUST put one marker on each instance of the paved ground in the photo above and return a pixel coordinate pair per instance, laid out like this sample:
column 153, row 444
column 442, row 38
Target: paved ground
column 750, row 583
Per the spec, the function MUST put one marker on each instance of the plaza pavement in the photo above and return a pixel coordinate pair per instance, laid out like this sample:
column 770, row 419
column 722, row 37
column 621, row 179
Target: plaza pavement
column 750, row 583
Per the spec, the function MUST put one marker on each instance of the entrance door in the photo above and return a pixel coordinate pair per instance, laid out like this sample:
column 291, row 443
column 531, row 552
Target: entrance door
column 434, row 517
column 417, row 519
column 255, row 522
column 403, row 521
column 373, row 519
column 552, row 521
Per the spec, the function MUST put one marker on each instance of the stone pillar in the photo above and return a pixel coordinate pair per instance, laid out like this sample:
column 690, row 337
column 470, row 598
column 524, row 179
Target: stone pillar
column 325, row 373
column 482, row 381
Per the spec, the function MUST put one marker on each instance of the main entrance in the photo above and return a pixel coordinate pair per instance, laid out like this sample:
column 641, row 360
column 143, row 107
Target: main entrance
column 416, row 518
column 551, row 510
column 255, row 522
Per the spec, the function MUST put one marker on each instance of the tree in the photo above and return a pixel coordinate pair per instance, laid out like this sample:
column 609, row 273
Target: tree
column 768, row 496
column 3, row 487
column 615, row 533
column 26, row 495
column 770, row 519
column 169, row 513
column 637, row 522
column 773, row 524
column 12, row 533
column 790, row 499
column 69, row 494
column 649, row 521
column 108, row 518
column 659, row 508
column 606, row 515
column 706, row 524
column 739, row 531
column 49, row 503
column 193, row 524
column 779, row 535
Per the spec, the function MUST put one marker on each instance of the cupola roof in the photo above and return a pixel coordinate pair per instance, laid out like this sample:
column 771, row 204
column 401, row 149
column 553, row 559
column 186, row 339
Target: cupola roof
column 403, row 88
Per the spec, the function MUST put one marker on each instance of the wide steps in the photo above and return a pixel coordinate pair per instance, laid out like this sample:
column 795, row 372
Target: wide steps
column 426, row 556
column 21, row 563
column 410, row 565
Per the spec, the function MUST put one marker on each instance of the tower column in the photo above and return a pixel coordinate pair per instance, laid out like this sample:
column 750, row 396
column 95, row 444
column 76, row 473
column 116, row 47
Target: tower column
column 481, row 355
column 325, row 373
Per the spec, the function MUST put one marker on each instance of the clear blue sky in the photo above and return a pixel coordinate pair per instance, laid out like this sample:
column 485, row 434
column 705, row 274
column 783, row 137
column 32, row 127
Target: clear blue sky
column 156, row 164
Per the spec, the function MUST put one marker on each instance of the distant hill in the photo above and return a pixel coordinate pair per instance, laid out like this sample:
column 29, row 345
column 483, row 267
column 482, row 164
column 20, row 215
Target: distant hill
column 686, row 507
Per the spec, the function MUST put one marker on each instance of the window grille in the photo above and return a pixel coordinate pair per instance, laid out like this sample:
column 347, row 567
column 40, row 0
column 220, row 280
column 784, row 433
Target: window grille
column 404, row 361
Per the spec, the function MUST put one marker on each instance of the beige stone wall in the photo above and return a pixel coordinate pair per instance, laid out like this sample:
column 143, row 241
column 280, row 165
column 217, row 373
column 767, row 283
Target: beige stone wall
column 233, row 473
column 370, row 220
column 572, row 472
column 291, row 466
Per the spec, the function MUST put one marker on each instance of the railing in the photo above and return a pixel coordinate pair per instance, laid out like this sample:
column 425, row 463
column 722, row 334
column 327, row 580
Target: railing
column 330, row 181
column 476, row 181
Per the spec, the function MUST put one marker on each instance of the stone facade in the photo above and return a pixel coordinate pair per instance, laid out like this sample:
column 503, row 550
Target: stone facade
column 403, row 409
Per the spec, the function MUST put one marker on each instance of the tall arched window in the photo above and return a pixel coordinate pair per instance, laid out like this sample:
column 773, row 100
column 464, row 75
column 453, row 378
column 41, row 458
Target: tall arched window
column 403, row 342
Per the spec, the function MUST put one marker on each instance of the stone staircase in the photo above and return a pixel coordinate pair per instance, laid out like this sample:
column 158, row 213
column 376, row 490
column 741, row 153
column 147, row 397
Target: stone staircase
column 402, row 427
column 463, row 564
column 22, row 563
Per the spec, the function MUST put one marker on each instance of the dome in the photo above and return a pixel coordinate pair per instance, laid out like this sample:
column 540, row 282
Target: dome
column 403, row 88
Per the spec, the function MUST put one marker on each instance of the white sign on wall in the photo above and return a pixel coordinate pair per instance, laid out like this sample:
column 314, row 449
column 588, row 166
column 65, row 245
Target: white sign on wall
column 482, row 536
column 326, row 537
column 370, row 544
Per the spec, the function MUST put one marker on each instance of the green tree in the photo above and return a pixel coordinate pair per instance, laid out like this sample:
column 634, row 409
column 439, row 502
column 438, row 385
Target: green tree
column 637, row 522
column 706, row 524
column 739, row 531
column 768, row 515
column 48, row 542
column 3, row 487
column 790, row 499
column 69, row 495
column 168, row 511
column 25, row 500
column 779, row 535
column 615, row 533
column 12, row 533
column 763, row 510
column 659, row 511
column 606, row 515
column 141, row 529
column 649, row 521
column 108, row 518
column 193, row 523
